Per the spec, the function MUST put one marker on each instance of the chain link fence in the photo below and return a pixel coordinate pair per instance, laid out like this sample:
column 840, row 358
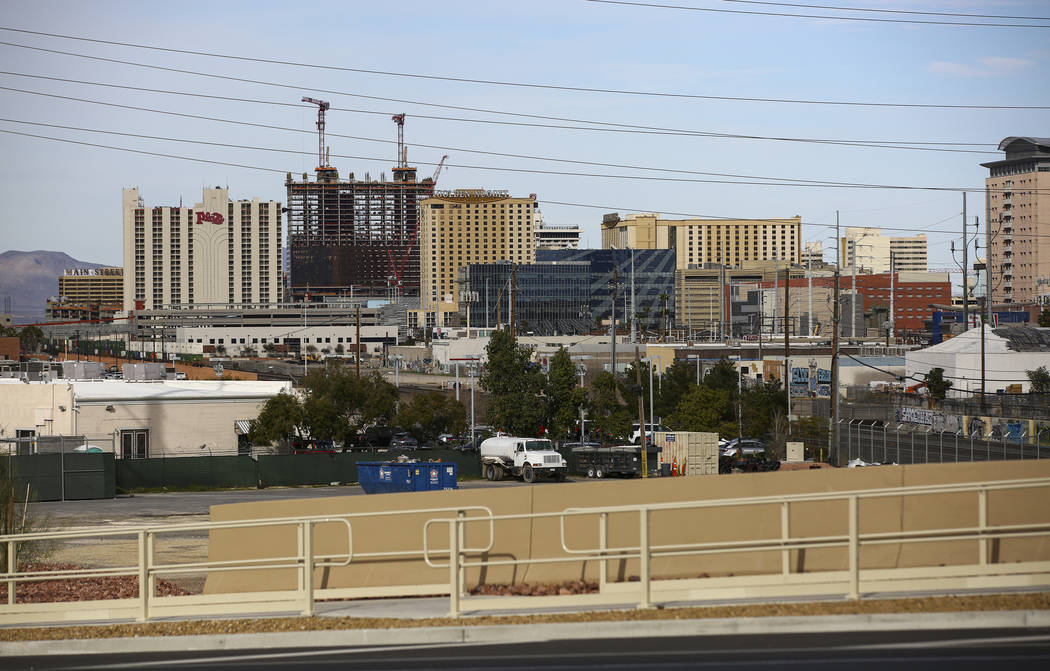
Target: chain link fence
column 878, row 443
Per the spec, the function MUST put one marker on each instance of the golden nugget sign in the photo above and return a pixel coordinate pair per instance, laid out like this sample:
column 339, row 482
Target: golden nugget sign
column 210, row 217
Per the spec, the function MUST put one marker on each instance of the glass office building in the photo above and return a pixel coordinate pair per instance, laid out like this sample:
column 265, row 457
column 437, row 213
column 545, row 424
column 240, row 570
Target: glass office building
column 571, row 290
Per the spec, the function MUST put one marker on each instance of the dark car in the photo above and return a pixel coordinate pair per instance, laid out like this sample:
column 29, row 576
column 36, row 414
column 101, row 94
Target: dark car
column 313, row 447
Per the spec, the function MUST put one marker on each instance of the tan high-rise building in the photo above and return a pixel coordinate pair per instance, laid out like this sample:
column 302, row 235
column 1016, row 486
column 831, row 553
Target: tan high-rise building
column 468, row 226
column 872, row 251
column 94, row 285
column 699, row 241
column 218, row 252
column 1018, row 214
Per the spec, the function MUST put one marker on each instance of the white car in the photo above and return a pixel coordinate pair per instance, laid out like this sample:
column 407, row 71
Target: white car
column 90, row 449
column 636, row 433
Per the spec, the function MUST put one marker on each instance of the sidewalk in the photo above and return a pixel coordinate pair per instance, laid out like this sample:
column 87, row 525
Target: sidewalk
column 467, row 633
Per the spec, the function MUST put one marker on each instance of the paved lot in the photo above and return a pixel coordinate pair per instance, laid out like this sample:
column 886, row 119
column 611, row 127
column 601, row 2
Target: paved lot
column 170, row 507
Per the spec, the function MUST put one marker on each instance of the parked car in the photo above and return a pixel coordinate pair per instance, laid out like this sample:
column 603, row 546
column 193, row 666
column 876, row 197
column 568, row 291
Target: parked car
column 90, row 449
column 180, row 375
column 403, row 441
column 300, row 446
column 636, row 432
column 446, row 439
column 742, row 447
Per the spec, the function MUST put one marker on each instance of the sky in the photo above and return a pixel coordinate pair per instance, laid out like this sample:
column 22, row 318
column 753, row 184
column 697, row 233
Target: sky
column 64, row 196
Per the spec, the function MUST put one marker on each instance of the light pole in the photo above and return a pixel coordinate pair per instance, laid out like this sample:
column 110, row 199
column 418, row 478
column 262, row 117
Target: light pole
column 739, row 397
column 652, row 408
column 397, row 369
column 473, row 368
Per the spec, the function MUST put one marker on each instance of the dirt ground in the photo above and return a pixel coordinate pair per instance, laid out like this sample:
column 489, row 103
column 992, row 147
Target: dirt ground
column 110, row 551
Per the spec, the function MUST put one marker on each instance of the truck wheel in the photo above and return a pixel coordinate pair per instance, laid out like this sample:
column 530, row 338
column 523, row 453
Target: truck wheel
column 527, row 474
column 498, row 473
column 598, row 473
column 490, row 472
column 590, row 472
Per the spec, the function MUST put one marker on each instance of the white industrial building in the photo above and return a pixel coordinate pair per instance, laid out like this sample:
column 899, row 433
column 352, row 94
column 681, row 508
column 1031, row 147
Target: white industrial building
column 1009, row 352
column 136, row 419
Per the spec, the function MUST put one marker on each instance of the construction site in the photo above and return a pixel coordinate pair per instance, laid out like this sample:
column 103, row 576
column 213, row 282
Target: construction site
column 355, row 237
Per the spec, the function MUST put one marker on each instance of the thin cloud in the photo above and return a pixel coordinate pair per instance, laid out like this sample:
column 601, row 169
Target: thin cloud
column 984, row 67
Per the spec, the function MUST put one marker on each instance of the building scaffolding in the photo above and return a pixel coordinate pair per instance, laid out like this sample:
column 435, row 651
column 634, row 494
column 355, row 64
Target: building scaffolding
column 354, row 236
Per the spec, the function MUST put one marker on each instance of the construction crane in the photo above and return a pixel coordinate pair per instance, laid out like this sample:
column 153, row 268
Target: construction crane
column 441, row 164
column 322, row 107
column 402, row 158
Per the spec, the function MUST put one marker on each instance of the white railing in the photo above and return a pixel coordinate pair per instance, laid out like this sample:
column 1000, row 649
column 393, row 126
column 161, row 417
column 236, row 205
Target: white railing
column 982, row 571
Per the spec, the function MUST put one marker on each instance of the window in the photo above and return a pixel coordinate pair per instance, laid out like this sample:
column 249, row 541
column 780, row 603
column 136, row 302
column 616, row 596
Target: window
column 134, row 443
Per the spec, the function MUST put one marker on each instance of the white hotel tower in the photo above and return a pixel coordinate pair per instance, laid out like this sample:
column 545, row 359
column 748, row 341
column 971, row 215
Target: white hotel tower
column 219, row 252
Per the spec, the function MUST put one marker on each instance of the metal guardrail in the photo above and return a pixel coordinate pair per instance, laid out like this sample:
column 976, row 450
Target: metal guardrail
column 983, row 571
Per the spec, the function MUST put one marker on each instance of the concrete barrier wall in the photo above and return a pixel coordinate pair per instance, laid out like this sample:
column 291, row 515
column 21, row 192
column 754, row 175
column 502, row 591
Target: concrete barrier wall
column 520, row 539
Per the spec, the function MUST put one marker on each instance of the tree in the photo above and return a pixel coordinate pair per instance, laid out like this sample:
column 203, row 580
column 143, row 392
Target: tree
column 1039, row 379
column 936, row 383
column 516, row 385
column 759, row 405
column 723, row 375
column 29, row 338
column 428, row 415
column 281, row 419
column 564, row 397
column 676, row 381
column 610, row 417
column 1044, row 317
column 702, row 409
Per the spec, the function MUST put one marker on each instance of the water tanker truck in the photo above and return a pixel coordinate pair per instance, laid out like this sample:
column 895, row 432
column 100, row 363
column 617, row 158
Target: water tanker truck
column 527, row 458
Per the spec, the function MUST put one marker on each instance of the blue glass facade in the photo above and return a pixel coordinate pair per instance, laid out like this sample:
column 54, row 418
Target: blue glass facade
column 570, row 290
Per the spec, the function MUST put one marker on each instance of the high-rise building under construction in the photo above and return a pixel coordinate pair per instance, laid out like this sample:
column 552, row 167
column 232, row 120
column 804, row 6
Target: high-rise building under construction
column 357, row 237
column 354, row 235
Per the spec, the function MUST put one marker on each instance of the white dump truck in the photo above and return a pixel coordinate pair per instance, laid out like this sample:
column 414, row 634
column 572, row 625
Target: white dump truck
column 527, row 458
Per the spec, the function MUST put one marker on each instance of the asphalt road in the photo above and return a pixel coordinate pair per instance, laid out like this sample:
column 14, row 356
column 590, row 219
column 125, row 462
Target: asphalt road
column 180, row 504
column 956, row 650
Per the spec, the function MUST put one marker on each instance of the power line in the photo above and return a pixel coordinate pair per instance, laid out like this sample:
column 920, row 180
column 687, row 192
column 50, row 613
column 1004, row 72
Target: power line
column 658, row 130
column 819, row 16
column 889, row 11
column 139, row 151
column 491, row 82
column 441, row 147
column 566, row 173
column 607, row 208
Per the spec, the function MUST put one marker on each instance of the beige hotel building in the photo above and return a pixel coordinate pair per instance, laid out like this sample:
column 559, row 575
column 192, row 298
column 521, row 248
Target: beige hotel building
column 218, row 252
column 467, row 226
column 1018, row 215
column 700, row 241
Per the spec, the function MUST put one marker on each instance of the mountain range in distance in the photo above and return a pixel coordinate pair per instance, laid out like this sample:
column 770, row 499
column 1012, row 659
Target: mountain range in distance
column 30, row 278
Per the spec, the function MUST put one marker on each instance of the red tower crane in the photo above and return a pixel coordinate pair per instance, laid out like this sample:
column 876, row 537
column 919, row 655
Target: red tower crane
column 441, row 164
column 322, row 106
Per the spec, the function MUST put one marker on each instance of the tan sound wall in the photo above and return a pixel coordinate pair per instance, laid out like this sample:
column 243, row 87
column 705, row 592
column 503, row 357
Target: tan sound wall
column 520, row 539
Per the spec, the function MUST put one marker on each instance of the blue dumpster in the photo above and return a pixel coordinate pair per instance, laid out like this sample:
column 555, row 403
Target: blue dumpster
column 384, row 477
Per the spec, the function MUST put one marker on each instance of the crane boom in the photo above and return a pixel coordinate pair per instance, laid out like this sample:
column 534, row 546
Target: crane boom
column 402, row 159
column 322, row 107
column 441, row 164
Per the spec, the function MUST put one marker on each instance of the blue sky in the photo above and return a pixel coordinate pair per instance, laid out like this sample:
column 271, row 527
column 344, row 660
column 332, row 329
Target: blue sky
column 66, row 197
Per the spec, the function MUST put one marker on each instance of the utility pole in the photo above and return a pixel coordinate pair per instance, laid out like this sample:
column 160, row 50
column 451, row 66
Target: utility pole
column 809, row 280
column 787, row 342
column 853, row 290
column 634, row 306
column 966, row 288
column 641, row 411
column 612, row 326
column 892, row 332
column 357, row 344
column 833, row 430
